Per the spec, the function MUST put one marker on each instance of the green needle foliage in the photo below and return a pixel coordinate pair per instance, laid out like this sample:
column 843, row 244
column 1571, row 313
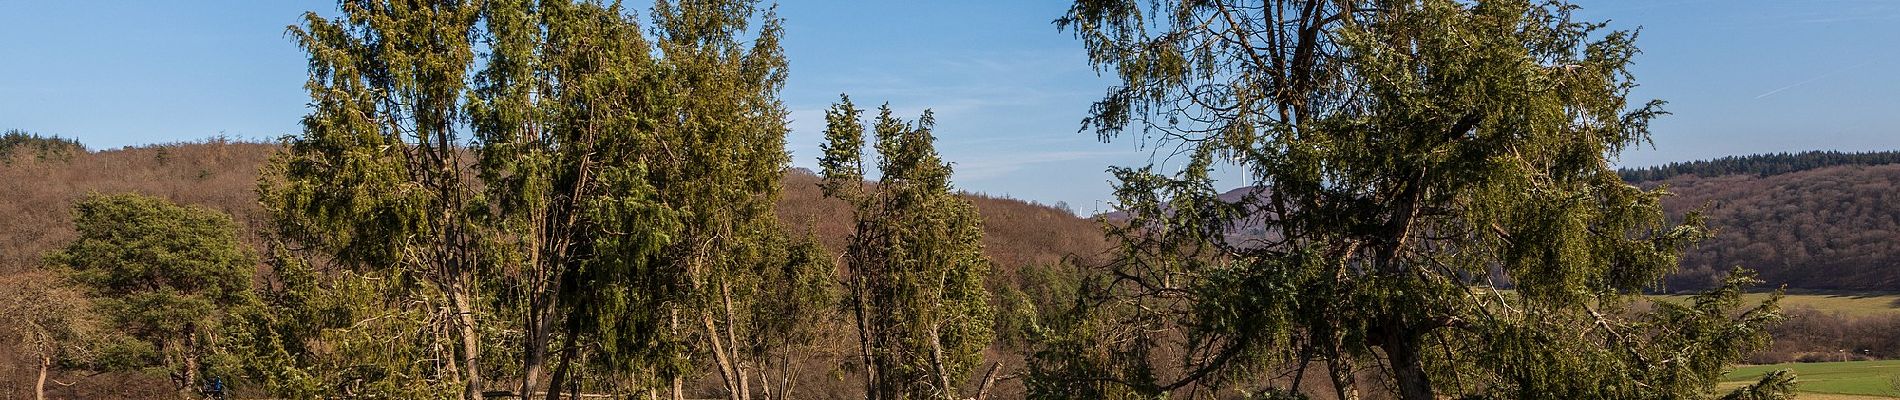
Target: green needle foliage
column 1410, row 161
column 16, row 143
column 916, row 264
column 559, row 112
column 556, row 196
column 163, row 274
column 718, row 159
column 378, row 183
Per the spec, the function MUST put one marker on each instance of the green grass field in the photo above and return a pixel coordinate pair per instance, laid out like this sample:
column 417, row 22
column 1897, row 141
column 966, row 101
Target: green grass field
column 1852, row 305
column 1833, row 380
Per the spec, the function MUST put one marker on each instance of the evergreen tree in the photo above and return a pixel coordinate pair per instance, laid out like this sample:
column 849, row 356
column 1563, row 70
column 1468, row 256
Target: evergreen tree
column 164, row 274
column 717, row 158
column 573, row 182
column 915, row 260
column 792, row 307
column 17, row 143
column 1410, row 158
column 558, row 110
column 378, row 180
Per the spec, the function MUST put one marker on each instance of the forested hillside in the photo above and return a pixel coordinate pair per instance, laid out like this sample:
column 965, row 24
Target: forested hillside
column 222, row 174
column 37, row 200
column 1760, row 165
column 1819, row 220
column 36, row 205
column 1831, row 227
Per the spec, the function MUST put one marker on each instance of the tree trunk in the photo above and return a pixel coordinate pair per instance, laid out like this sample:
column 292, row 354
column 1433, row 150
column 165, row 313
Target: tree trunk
column 1408, row 368
column 864, row 337
column 784, row 378
column 673, row 320
column 191, row 360
column 46, row 366
column 989, row 381
column 745, row 384
column 732, row 344
column 725, row 344
column 937, row 364
column 728, row 371
column 568, row 351
column 471, row 341
column 534, row 358
column 1344, row 384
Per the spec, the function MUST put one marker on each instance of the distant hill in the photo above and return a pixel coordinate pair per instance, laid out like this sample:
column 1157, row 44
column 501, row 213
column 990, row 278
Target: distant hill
column 223, row 175
column 1244, row 233
column 39, row 179
column 1827, row 227
column 1818, row 221
column 1760, row 165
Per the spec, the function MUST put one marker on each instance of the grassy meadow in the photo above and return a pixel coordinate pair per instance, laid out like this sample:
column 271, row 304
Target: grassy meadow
column 1832, row 380
column 1846, row 380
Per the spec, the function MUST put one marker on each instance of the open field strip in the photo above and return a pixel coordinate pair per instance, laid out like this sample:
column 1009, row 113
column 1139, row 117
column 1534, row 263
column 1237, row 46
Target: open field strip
column 1847, row 304
column 1855, row 379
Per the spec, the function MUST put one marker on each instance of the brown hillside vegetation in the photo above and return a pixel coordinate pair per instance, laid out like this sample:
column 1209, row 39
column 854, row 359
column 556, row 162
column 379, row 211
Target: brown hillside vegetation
column 222, row 175
column 38, row 193
column 1833, row 228
column 36, row 196
column 1016, row 233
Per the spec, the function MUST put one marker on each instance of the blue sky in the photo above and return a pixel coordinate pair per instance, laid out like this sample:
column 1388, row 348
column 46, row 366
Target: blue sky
column 1741, row 76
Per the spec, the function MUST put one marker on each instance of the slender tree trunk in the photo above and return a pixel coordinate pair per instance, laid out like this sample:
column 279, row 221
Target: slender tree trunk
column 568, row 351
column 745, row 383
column 471, row 341
column 989, row 381
column 673, row 316
column 191, row 360
column 784, row 378
column 46, row 366
column 937, row 363
column 864, row 337
column 732, row 343
column 534, row 358
column 727, row 370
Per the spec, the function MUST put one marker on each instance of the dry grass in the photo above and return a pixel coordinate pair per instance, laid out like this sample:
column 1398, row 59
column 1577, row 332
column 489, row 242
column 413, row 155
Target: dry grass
column 1849, row 305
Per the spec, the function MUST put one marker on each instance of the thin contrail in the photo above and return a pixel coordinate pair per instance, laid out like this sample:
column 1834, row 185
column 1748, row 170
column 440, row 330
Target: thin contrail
column 1811, row 80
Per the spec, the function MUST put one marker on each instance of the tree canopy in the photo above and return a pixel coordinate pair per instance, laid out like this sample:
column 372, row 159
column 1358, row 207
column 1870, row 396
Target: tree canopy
column 162, row 273
column 1410, row 158
column 556, row 169
column 915, row 263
